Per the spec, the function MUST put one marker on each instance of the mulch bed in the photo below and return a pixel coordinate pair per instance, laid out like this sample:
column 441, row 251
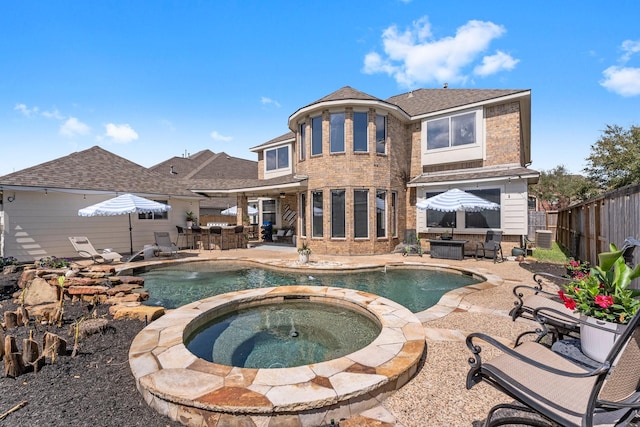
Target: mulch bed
column 94, row 388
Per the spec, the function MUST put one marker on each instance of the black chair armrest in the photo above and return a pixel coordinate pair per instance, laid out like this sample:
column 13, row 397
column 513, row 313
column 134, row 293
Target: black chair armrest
column 475, row 361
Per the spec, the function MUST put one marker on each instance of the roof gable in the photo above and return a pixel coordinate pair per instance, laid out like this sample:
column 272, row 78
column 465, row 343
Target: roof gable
column 208, row 166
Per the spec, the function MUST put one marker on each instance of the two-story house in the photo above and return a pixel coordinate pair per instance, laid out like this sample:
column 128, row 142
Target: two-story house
column 353, row 166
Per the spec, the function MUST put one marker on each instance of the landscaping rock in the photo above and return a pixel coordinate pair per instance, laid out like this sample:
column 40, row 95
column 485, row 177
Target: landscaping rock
column 39, row 291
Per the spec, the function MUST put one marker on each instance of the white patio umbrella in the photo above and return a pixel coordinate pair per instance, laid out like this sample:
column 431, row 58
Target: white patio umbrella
column 124, row 204
column 456, row 200
column 233, row 210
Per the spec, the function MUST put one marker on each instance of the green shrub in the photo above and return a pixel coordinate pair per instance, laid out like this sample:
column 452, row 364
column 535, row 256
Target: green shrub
column 53, row 262
column 8, row 261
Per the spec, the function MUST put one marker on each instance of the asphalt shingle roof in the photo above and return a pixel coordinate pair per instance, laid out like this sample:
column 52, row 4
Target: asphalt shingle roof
column 208, row 165
column 425, row 101
column 96, row 169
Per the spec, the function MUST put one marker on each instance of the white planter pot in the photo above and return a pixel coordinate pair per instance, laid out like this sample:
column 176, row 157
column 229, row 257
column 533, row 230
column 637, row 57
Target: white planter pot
column 597, row 343
column 303, row 258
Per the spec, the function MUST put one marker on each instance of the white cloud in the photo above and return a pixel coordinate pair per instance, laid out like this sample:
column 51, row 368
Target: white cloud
column 72, row 127
column 26, row 110
column 120, row 133
column 218, row 137
column 266, row 101
column 55, row 114
column 629, row 47
column 622, row 80
column 414, row 56
column 495, row 63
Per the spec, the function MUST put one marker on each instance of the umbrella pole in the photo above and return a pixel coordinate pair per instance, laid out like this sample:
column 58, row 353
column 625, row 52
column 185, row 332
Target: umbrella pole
column 130, row 236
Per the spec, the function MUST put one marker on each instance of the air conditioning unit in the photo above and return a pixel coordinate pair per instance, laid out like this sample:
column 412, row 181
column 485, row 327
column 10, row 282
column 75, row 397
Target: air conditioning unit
column 543, row 239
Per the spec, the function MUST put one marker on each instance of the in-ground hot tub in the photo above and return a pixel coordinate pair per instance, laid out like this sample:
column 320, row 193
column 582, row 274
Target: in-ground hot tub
column 194, row 391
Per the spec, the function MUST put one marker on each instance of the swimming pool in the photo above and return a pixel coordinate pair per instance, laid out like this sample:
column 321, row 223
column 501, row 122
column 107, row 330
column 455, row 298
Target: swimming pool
column 415, row 288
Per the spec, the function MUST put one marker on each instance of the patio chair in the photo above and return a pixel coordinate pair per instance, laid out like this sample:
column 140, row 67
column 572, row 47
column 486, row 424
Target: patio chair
column 558, row 390
column 532, row 298
column 492, row 244
column 85, row 249
column 164, row 245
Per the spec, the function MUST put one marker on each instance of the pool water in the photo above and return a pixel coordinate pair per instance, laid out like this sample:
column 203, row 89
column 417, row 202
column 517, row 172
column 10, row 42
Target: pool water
column 415, row 289
column 282, row 335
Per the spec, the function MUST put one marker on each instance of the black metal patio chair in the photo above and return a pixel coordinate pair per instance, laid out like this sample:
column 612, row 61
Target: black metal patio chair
column 561, row 392
column 492, row 244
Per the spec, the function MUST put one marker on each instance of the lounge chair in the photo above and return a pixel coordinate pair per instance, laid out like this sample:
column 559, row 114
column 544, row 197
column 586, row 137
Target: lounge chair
column 492, row 244
column 553, row 387
column 532, row 298
column 164, row 245
column 85, row 249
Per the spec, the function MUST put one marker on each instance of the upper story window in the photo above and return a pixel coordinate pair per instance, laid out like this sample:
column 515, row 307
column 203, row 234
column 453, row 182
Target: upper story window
column 381, row 134
column 451, row 131
column 316, row 135
column 277, row 158
column 360, row 132
column 302, row 133
column 337, row 133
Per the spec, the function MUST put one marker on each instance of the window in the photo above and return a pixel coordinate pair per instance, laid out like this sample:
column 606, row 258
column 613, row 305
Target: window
column 484, row 218
column 381, row 134
column 303, row 214
column 269, row 211
column 302, row 140
column 481, row 219
column 360, row 132
column 440, row 219
column 361, row 213
column 394, row 214
column 338, row 208
column 158, row 215
column 381, row 213
column 336, row 133
column 451, row 131
column 316, row 136
column 317, row 214
column 278, row 158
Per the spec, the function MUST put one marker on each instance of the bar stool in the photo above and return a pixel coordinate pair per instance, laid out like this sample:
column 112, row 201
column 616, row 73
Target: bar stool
column 238, row 234
column 196, row 233
column 182, row 233
column 215, row 233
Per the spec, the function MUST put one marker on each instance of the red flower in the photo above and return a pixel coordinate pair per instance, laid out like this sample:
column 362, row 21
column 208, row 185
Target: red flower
column 570, row 303
column 604, row 301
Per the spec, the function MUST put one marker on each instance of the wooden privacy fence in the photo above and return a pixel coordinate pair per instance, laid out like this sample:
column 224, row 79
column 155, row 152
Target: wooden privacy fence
column 586, row 229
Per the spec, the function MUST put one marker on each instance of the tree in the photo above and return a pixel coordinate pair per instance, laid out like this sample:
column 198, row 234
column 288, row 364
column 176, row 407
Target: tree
column 615, row 158
column 557, row 188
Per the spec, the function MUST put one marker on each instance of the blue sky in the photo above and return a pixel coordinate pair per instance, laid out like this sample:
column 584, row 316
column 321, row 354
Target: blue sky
column 149, row 80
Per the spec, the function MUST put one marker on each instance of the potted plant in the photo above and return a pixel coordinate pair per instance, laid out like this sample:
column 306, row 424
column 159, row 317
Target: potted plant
column 190, row 217
column 303, row 253
column 446, row 235
column 602, row 296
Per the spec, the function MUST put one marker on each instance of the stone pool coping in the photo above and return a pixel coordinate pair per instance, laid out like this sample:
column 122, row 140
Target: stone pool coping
column 196, row 392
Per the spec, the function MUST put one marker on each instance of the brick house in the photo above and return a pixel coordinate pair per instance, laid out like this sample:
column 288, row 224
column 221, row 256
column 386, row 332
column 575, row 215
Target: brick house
column 350, row 171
